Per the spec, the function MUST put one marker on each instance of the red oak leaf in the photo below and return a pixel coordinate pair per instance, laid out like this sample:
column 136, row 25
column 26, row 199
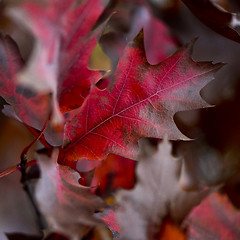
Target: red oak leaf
column 63, row 44
column 67, row 206
column 141, row 103
column 214, row 218
column 26, row 105
column 75, row 77
column 215, row 17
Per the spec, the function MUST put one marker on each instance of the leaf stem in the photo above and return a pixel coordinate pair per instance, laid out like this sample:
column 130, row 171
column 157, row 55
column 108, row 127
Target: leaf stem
column 26, row 149
column 22, row 167
column 27, row 188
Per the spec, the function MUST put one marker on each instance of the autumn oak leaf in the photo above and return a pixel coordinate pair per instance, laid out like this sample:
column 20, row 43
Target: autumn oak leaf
column 214, row 218
column 141, row 103
column 26, row 105
column 67, row 206
column 62, row 48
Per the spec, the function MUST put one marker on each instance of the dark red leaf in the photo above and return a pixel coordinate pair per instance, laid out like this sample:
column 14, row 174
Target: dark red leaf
column 214, row 218
column 142, row 103
column 63, row 44
column 67, row 206
column 26, row 104
column 215, row 17
column 75, row 77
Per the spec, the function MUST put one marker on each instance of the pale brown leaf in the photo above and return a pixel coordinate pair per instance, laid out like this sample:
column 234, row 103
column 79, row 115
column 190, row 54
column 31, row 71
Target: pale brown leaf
column 156, row 195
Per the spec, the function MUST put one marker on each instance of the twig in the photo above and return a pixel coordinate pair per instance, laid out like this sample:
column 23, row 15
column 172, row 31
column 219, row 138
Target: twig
column 27, row 188
column 25, row 181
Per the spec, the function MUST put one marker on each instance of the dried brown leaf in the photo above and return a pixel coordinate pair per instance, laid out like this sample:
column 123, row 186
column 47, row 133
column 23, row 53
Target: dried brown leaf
column 156, row 195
